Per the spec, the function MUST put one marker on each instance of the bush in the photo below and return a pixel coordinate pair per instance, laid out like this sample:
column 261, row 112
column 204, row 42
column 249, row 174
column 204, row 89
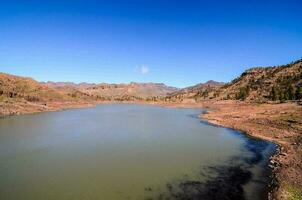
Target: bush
column 298, row 93
column 243, row 93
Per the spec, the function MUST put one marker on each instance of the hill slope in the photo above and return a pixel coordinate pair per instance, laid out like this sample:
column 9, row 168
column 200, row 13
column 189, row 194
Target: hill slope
column 132, row 91
column 266, row 83
column 25, row 95
column 16, row 87
column 122, row 92
column 277, row 83
column 197, row 92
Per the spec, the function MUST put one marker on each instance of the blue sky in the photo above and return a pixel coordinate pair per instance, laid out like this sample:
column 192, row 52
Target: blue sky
column 179, row 43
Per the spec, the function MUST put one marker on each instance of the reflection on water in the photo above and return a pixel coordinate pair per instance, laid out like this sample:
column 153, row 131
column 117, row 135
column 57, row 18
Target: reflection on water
column 238, row 178
column 127, row 152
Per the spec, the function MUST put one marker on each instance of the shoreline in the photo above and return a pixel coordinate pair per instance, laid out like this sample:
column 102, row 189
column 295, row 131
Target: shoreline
column 270, row 193
column 260, row 121
column 286, row 162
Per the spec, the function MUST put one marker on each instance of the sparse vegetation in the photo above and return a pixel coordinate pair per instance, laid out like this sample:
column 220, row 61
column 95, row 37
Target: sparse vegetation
column 259, row 84
column 298, row 93
column 294, row 193
column 2, row 98
column 243, row 93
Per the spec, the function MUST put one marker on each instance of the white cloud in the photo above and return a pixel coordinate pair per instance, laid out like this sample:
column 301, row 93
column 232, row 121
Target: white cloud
column 144, row 69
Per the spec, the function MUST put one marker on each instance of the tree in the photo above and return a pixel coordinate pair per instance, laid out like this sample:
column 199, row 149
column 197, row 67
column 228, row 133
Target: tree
column 243, row 93
column 291, row 93
column 273, row 94
column 281, row 95
column 298, row 93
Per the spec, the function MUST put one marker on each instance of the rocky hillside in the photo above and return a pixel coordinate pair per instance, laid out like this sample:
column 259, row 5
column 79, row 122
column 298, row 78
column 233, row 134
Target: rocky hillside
column 132, row 91
column 58, row 85
column 20, row 88
column 197, row 92
column 119, row 92
column 25, row 95
column 266, row 83
column 70, row 89
column 277, row 83
column 15, row 87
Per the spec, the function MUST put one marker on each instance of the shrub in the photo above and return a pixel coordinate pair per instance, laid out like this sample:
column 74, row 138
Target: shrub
column 243, row 93
column 298, row 93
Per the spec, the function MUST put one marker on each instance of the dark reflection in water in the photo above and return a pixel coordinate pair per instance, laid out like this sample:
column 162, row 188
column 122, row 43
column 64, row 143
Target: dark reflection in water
column 226, row 185
column 256, row 147
column 221, row 182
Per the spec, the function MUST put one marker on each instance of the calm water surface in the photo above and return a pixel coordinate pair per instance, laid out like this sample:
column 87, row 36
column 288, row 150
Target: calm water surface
column 127, row 152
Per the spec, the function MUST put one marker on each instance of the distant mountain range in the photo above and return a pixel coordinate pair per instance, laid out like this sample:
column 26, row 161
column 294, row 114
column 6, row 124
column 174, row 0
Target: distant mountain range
column 277, row 83
column 22, row 88
column 122, row 92
column 68, row 84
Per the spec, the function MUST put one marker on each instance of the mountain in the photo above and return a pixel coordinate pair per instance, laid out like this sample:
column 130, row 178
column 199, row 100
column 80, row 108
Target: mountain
column 21, row 88
column 266, row 83
column 200, row 91
column 70, row 89
column 57, row 85
column 25, row 95
column 119, row 92
column 131, row 91
column 276, row 83
column 16, row 87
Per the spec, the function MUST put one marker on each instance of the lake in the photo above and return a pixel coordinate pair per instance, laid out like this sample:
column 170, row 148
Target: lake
column 127, row 151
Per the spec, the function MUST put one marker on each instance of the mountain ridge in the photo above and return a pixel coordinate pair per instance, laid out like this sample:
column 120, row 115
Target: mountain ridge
column 18, row 87
column 260, row 84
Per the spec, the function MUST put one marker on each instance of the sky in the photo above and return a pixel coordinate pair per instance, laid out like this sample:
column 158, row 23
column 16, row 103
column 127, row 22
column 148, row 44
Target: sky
column 179, row 43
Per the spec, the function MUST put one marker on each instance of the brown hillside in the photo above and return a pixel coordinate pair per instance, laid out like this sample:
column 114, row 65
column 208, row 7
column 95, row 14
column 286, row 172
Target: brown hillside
column 197, row 92
column 132, row 91
column 266, row 83
column 15, row 87
column 277, row 83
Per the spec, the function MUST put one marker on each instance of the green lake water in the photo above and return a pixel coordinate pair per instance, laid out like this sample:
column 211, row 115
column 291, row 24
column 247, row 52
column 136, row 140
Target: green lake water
column 124, row 151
